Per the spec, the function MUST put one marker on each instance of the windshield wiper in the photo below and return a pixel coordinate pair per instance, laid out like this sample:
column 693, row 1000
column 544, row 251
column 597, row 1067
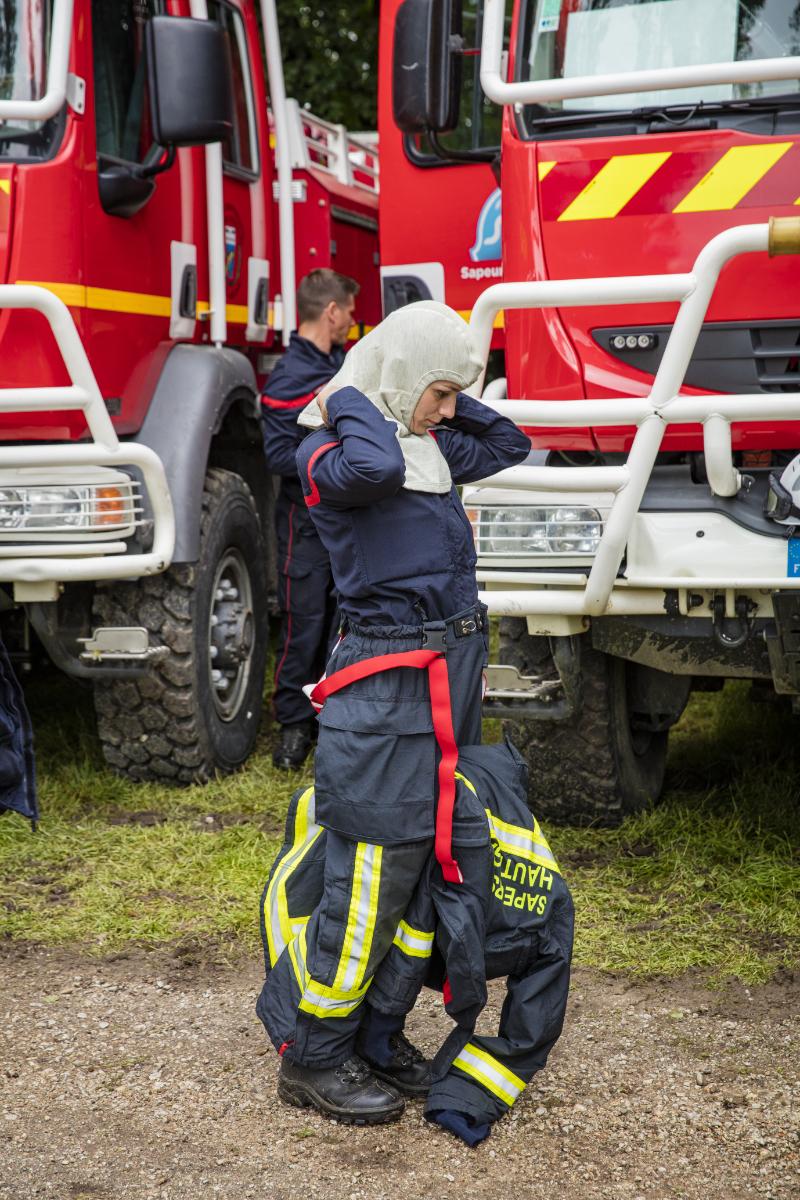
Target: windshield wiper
column 666, row 113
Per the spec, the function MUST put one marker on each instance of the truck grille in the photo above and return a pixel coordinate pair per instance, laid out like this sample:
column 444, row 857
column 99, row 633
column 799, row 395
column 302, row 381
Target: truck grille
column 736, row 357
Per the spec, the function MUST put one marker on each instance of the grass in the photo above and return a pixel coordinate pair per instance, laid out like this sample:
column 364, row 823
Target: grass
column 708, row 880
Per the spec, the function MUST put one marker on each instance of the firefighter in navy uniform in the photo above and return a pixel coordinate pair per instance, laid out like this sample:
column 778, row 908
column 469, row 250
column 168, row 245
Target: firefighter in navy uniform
column 325, row 303
column 380, row 482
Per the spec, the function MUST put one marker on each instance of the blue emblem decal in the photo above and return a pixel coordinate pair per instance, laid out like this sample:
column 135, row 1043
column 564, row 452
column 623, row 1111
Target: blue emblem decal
column 230, row 253
column 488, row 233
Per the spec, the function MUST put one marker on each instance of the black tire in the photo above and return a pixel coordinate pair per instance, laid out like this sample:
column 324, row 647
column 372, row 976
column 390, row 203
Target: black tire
column 592, row 768
column 178, row 726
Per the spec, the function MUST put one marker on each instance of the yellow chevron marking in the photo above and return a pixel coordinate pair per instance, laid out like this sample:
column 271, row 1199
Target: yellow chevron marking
column 544, row 169
column 732, row 177
column 613, row 186
column 5, row 186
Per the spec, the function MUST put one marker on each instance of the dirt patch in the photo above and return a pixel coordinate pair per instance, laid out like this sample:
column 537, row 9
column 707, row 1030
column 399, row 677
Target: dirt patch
column 146, row 819
column 147, row 1074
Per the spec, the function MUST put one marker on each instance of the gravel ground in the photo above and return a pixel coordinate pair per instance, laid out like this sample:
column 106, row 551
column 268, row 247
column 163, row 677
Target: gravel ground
column 145, row 1075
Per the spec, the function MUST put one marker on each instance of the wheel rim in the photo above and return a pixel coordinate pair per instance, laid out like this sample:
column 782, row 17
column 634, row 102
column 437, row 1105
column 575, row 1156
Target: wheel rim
column 231, row 635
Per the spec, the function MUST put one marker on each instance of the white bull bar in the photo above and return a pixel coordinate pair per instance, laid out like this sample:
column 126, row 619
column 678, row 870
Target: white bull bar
column 106, row 450
column 603, row 592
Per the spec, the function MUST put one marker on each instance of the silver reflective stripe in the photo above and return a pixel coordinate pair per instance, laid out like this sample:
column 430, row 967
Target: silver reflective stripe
column 311, row 995
column 414, row 941
column 513, row 837
column 358, row 940
column 306, row 831
column 491, row 1073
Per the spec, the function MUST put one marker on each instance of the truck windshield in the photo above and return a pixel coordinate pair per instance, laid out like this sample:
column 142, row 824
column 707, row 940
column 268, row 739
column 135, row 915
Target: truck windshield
column 24, row 44
column 570, row 38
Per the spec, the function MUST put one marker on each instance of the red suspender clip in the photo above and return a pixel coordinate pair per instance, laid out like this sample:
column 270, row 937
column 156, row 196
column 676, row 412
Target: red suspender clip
column 436, row 665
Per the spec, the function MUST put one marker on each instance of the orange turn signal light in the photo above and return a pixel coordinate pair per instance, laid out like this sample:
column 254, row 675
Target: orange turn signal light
column 109, row 507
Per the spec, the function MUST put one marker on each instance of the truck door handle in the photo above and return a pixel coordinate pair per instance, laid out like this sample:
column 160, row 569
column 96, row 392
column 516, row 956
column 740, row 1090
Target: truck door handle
column 187, row 306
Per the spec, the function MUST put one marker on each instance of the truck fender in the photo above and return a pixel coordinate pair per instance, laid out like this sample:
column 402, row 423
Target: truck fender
column 197, row 386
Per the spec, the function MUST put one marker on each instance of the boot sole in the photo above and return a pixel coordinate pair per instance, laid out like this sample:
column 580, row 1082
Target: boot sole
column 301, row 1096
column 414, row 1092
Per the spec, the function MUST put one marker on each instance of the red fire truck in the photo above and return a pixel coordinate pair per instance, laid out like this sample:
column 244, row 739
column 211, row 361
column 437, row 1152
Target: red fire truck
column 148, row 206
column 650, row 184
column 440, row 226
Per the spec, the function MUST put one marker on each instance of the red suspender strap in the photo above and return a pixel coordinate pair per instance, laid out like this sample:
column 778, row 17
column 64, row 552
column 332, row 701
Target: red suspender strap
column 314, row 498
column 442, row 725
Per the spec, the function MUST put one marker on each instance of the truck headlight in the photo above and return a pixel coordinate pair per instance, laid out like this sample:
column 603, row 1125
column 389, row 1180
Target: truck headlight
column 60, row 507
column 517, row 532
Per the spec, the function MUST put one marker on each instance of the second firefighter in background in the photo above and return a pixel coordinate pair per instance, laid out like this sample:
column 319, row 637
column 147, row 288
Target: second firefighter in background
column 325, row 304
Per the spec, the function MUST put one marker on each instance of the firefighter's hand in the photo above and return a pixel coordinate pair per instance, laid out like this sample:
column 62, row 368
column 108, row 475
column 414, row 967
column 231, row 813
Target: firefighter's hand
column 321, row 399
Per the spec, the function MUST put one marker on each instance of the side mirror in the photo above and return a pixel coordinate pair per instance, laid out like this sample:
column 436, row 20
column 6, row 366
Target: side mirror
column 191, row 81
column 426, row 66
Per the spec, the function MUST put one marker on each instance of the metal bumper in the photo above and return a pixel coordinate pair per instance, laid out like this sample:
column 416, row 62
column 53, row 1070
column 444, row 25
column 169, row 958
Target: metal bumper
column 644, row 585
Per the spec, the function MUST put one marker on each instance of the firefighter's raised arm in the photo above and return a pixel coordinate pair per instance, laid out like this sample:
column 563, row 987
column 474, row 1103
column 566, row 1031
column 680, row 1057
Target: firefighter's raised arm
column 477, row 441
column 356, row 459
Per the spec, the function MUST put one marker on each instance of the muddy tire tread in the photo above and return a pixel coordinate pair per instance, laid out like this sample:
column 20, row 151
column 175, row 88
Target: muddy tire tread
column 150, row 729
column 575, row 777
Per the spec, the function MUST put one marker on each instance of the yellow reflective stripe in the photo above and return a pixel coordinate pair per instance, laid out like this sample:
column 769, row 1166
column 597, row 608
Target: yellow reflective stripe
column 352, row 916
column 489, row 1072
column 414, row 942
column 5, row 186
column 316, row 998
column 515, row 839
column 75, row 295
column 110, row 300
column 72, row 294
column 521, row 842
column 613, row 186
column 464, row 779
column 276, row 913
column 323, row 1001
column 732, row 177
column 544, row 169
column 361, row 917
column 297, row 954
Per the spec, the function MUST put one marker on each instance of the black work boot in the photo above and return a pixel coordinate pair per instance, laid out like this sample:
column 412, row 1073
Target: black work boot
column 350, row 1092
column 293, row 747
column 408, row 1069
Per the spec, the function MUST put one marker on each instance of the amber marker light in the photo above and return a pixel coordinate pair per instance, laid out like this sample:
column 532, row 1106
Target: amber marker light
column 109, row 506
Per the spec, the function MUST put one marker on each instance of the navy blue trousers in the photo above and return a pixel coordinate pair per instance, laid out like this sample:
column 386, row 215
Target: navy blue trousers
column 307, row 600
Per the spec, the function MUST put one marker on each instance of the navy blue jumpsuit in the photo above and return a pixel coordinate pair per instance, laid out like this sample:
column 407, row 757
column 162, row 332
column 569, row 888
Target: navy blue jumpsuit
column 304, row 569
column 404, row 568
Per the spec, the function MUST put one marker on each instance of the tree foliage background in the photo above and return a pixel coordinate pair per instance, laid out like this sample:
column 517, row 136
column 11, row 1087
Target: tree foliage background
column 330, row 58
